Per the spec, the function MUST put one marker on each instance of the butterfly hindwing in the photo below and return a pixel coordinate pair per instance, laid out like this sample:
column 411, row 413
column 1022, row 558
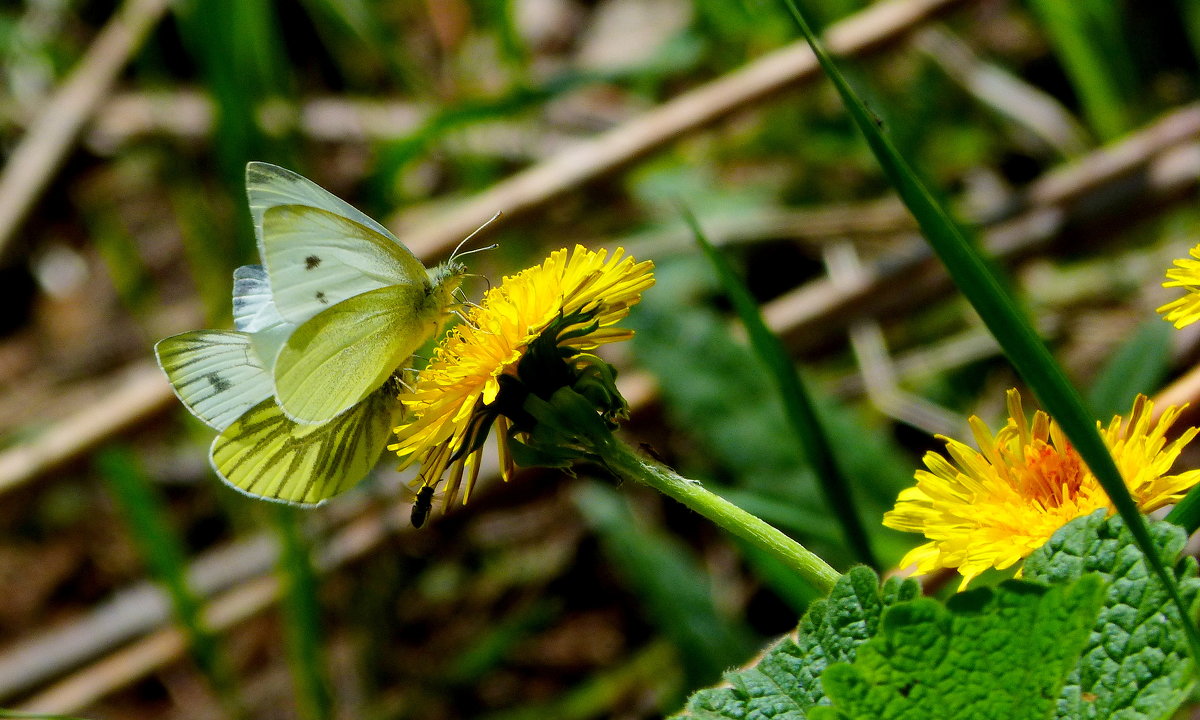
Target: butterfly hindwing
column 254, row 312
column 316, row 259
column 266, row 455
column 337, row 357
column 217, row 374
column 253, row 307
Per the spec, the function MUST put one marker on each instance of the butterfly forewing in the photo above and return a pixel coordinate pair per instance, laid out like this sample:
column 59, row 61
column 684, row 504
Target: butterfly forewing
column 217, row 374
column 269, row 186
column 316, row 259
column 266, row 455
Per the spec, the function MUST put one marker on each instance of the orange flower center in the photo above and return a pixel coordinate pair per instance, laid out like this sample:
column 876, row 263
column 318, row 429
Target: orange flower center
column 1051, row 476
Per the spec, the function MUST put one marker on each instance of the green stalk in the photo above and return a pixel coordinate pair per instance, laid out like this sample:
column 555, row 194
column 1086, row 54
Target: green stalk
column 165, row 558
column 1086, row 35
column 1186, row 512
column 302, row 617
column 798, row 403
column 1011, row 329
column 628, row 465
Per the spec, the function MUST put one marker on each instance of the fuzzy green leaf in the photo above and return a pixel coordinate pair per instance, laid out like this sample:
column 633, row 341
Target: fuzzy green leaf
column 998, row 653
column 785, row 683
column 1136, row 663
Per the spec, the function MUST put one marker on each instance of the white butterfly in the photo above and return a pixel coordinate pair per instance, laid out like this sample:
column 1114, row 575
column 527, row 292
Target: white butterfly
column 303, row 392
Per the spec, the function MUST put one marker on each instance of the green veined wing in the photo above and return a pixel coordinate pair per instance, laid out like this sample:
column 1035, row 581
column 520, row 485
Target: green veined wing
column 266, row 455
column 332, row 361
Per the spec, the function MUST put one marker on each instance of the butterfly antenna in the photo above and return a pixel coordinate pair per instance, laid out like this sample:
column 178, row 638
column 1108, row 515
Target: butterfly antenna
column 493, row 246
column 454, row 255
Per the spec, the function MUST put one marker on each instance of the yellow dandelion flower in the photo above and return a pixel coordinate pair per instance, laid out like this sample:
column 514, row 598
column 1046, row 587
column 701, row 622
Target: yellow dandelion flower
column 1186, row 274
column 992, row 507
column 454, row 402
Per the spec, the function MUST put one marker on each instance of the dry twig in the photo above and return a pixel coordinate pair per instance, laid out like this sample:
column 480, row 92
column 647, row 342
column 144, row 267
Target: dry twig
column 56, row 128
column 532, row 188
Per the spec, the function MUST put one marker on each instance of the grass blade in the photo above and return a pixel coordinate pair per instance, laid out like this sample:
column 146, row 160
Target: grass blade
column 797, row 402
column 999, row 312
column 301, row 617
column 163, row 552
column 1086, row 35
column 1186, row 512
column 1138, row 366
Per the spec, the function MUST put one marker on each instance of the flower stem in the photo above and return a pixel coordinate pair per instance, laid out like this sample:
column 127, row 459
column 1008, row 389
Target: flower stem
column 628, row 465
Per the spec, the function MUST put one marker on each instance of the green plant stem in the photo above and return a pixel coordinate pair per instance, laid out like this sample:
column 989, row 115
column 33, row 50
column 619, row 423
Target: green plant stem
column 1186, row 512
column 798, row 404
column 628, row 465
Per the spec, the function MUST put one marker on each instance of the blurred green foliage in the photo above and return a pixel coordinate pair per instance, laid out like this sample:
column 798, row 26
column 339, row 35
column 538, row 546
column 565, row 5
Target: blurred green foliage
column 461, row 619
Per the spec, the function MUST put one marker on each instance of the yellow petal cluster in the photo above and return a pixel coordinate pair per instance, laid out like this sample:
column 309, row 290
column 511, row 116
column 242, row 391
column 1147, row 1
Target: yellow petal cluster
column 463, row 377
column 1186, row 274
column 991, row 507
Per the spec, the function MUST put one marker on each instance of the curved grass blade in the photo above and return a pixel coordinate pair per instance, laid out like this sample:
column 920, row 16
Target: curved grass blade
column 164, row 556
column 1138, row 366
column 999, row 312
column 1186, row 513
column 797, row 402
column 1087, row 38
column 302, row 617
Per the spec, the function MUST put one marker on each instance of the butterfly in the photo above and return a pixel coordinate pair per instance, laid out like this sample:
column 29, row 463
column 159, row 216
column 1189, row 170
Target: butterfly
column 303, row 391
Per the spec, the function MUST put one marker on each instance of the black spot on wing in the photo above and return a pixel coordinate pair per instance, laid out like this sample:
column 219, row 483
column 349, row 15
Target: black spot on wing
column 311, row 262
column 218, row 383
column 320, row 296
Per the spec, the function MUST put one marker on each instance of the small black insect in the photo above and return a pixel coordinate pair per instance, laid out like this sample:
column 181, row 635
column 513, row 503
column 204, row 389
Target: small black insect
column 320, row 296
column 218, row 383
column 422, row 505
column 311, row 262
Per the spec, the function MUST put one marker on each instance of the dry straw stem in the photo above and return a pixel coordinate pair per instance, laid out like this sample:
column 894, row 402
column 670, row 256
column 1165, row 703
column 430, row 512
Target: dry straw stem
column 57, row 126
column 142, row 657
column 190, row 115
column 132, row 612
column 1162, row 161
column 871, row 29
column 139, row 392
column 1153, row 166
column 1004, row 93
